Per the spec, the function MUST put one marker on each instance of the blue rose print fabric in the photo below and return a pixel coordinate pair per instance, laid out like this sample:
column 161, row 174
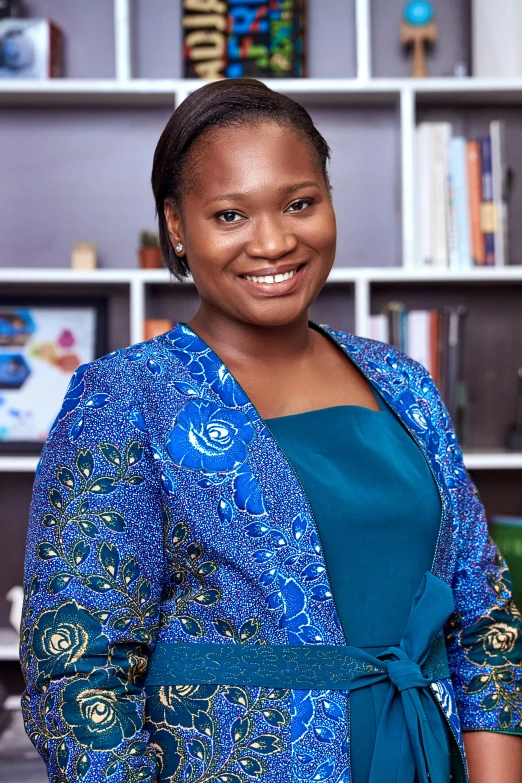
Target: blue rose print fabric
column 164, row 511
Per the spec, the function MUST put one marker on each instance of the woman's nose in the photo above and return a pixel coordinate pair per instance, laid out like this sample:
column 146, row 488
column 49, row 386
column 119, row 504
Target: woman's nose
column 270, row 239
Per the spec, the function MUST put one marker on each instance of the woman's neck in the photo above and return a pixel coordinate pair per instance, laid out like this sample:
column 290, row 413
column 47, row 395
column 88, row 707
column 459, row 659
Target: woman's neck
column 236, row 341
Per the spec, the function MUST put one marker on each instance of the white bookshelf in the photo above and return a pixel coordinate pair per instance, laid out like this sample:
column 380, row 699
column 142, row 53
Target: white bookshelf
column 359, row 280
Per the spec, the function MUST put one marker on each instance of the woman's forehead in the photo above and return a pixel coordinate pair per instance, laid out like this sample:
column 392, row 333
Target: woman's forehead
column 247, row 157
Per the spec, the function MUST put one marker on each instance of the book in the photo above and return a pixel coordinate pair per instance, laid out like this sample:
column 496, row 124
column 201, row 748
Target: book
column 461, row 257
column 440, row 205
column 379, row 328
column 497, row 131
column 423, row 168
column 419, row 337
column 474, row 172
column 488, row 216
column 453, row 369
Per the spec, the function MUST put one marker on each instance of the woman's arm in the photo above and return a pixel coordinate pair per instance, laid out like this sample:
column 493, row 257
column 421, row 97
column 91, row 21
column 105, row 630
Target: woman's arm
column 484, row 636
column 493, row 758
column 93, row 585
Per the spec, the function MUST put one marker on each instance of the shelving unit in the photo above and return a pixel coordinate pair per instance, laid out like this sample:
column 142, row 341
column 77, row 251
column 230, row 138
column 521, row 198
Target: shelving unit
column 110, row 113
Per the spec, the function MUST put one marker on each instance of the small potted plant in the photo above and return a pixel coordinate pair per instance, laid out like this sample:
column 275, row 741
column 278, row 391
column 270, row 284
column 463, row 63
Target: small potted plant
column 149, row 251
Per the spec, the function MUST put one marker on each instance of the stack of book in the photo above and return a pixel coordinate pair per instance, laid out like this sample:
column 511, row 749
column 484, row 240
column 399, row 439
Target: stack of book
column 462, row 188
column 435, row 339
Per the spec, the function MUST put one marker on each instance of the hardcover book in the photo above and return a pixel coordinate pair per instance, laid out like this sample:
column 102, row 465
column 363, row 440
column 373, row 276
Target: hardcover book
column 244, row 38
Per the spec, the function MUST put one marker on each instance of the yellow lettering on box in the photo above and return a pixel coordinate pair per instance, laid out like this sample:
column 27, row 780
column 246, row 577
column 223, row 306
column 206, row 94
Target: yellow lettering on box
column 205, row 44
column 219, row 22
column 210, row 69
column 206, row 6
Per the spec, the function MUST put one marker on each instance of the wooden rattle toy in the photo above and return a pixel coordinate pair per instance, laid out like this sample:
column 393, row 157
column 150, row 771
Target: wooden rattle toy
column 418, row 28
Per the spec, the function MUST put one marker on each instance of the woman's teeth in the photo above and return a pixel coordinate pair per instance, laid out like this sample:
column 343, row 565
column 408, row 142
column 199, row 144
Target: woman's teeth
column 272, row 278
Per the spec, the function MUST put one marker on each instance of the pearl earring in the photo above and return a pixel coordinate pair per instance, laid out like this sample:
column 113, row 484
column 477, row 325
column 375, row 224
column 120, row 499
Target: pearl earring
column 179, row 247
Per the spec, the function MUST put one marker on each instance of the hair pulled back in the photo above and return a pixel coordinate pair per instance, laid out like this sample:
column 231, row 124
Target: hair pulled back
column 225, row 103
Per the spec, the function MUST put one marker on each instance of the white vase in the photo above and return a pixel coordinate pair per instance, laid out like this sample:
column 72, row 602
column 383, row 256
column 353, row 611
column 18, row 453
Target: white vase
column 496, row 35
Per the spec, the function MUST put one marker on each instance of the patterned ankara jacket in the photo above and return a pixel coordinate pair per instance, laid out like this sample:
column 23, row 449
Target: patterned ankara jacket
column 164, row 510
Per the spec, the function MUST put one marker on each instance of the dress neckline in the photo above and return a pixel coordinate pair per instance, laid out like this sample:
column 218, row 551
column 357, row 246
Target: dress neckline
column 354, row 408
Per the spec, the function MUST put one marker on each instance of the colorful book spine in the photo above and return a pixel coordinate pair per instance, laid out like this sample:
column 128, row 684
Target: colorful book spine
column 459, row 182
column 474, row 170
column 488, row 218
column 499, row 182
column 423, row 200
column 440, row 194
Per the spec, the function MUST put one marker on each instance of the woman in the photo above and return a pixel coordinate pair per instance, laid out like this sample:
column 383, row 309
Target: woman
column 248, row 525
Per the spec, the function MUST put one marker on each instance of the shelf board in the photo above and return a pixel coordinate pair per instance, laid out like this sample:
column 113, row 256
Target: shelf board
column 88, row 92
column 9, row 643
column 475, row 460
column 500, row 460
column 67, row 276
column 17, row 464
column 166, row 92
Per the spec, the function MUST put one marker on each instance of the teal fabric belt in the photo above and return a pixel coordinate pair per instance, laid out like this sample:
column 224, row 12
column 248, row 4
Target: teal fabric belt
column 410, row 668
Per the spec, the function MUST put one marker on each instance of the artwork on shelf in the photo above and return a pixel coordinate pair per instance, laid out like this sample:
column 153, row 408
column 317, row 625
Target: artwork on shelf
column 418, row 29
column 30, row 49
column 42, row 343
column 252, row 38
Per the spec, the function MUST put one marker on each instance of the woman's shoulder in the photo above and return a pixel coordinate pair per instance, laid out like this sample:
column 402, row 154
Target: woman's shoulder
column 365, row 350
column 133, row 364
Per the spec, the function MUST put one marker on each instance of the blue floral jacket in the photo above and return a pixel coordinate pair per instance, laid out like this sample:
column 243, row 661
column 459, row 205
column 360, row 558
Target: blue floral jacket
column 163, row 509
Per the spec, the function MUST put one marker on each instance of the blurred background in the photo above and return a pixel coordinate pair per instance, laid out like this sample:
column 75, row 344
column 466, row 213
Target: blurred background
column 421, row 103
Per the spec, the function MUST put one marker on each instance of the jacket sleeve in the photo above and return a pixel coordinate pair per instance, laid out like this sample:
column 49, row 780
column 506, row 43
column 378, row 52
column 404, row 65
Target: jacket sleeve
column 484, row 638
column 93, row 581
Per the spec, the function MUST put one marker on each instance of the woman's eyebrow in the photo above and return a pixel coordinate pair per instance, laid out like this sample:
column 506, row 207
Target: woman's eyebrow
column 284, row 190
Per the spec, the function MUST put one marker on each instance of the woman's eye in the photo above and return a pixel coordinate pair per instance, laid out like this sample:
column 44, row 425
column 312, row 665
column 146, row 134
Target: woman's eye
column 298, row 206
column 229, row 216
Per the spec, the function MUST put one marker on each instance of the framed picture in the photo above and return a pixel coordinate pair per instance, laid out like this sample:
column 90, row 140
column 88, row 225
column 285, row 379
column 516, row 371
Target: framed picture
column 42, row 342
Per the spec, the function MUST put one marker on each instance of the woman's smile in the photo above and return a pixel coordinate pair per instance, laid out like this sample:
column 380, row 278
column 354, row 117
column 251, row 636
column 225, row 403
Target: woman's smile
column 278, row 282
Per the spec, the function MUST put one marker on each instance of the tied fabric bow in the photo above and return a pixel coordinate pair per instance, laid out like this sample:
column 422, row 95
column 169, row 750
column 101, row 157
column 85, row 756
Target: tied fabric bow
column 409, row 714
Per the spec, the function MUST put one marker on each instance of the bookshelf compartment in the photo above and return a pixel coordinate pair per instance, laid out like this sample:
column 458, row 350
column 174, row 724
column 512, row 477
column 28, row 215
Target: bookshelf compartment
column 335, row 306
column 88, row 30
column 492, row 348
column 389, row 58
column 366, row 181
column 169, row 300
column 99, row 163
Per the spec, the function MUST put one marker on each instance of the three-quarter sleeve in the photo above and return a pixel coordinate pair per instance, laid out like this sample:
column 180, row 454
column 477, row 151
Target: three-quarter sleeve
column 484, row 636
column 93, row 582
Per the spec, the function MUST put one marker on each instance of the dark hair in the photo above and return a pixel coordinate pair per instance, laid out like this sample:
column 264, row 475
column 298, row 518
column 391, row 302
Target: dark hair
column 225, row 103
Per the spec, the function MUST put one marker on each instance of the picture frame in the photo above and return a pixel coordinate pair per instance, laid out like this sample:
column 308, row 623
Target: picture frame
column 43, row 339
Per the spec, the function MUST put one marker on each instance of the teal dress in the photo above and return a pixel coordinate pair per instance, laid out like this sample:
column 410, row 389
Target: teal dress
column 377, row 510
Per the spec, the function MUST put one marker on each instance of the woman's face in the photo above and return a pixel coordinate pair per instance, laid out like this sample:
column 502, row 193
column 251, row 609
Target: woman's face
column 258, row 226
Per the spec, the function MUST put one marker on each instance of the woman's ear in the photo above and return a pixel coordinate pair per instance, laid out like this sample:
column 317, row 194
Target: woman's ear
column 174, row 226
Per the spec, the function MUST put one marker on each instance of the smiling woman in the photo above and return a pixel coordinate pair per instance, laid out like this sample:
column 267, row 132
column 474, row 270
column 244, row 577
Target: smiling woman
column 260, row 557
